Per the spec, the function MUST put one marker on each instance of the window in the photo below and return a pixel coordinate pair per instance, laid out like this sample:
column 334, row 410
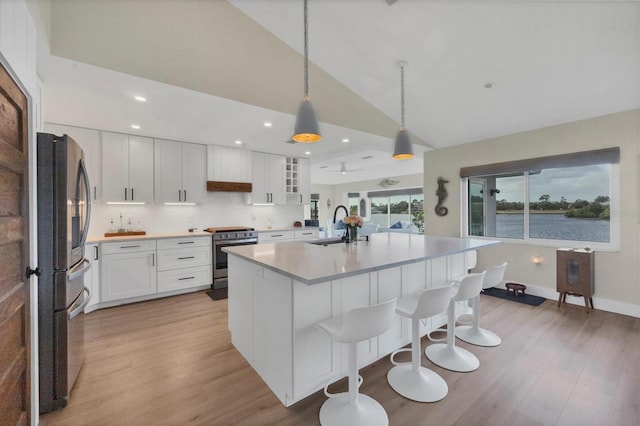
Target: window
column 566, row 198
column 390, row 207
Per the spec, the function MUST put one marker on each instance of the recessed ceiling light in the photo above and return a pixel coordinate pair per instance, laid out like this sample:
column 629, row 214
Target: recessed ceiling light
column 238, row 142
column 307, row 153
column 345, row 140
column 140, row 98
column 267, row 124
column 135, row 126
column 488, row 84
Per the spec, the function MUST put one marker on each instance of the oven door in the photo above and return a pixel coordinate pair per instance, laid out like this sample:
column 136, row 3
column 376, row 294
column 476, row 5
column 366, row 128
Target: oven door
column 220, row 257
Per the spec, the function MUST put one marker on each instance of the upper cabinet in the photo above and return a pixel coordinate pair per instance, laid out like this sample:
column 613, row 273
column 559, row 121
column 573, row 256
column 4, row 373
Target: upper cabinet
column 267, row 178
column 127, row 168
column 180, row 172
column 227, row 164
column 89, row 141
column 297, row 180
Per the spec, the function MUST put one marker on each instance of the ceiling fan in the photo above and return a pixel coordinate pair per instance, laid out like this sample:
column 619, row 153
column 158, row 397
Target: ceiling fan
column 343, row 169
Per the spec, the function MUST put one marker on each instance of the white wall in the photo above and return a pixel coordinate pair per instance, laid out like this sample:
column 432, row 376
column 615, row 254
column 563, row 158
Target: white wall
column 221, row 209
column 617, row 274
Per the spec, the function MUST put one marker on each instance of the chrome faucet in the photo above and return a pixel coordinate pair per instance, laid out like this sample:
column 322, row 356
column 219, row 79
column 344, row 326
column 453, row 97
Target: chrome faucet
column 335, row 212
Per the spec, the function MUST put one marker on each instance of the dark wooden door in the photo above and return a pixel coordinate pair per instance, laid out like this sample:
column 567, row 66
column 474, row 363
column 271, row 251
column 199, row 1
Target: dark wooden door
column 14, row 252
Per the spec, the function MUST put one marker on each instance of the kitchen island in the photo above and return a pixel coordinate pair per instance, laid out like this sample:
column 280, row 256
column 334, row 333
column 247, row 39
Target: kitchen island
column 277, row 292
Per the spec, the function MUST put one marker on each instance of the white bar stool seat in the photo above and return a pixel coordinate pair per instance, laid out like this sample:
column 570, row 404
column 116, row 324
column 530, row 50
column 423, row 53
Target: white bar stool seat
column 353, row 408
column 473, row 333
column 411, row 379
column 448, row 355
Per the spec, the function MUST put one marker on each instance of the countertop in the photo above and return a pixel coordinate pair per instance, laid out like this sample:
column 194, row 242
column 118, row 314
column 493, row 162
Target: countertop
column 102, row 239
column 312, row 264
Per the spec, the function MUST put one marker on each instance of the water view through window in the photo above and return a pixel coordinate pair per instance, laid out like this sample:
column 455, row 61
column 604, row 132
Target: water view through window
column 570, row 203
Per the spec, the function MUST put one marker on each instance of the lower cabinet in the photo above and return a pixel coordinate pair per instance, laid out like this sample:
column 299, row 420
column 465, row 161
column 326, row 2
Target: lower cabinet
column 128, row 270
column 145, row 269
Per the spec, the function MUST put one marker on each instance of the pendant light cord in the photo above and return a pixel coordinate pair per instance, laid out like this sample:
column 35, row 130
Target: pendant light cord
column 401, row 96
column 306, row 52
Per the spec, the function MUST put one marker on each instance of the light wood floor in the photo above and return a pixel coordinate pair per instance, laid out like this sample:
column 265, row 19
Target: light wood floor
column 170, row 361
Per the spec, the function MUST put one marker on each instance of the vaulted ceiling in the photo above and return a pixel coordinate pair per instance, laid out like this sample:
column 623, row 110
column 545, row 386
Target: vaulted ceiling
column 215, row 71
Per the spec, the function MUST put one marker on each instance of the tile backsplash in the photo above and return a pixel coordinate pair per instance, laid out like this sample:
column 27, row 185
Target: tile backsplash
column 221, row 209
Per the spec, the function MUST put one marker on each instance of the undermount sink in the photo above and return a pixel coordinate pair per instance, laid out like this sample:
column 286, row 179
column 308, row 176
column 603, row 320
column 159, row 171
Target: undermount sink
column 326, row 241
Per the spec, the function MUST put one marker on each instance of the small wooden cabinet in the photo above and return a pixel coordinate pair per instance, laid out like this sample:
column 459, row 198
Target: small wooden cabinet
column 575, row 274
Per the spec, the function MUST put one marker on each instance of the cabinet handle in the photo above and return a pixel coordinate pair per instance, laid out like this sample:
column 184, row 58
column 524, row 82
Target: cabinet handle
column 95, row 252
column 153, row 259
column 267, row 196
column 128, row 246
column 185, row 195
column 179, row 195
column 95, row 193
column 131, row 194
column 300, row 198
column 277, row 235
column 186, row 278
column 186, row 257
column 186, row 242
column 125, row 194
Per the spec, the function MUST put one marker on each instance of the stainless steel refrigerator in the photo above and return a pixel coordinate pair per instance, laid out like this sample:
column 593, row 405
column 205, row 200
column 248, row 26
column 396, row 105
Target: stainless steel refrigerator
column 64, row 210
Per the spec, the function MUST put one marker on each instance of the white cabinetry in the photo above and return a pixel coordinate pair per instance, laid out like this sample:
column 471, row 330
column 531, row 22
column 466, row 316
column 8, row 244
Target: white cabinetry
column 128, row 269
column 180, row 172
column 184, row 263
column 267, row 178
column 127, row 168
column 305, row 234
column 89, row 141
column 228, row 164
column 275, row 236
column 297, row 180
column 92, row 277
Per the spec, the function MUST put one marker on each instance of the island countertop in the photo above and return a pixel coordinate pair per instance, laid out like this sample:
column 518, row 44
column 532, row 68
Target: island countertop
column 312, row 264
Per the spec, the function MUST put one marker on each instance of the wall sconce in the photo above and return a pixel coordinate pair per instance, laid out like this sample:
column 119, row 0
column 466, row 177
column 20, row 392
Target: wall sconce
column 537, row 260
column 492, row 192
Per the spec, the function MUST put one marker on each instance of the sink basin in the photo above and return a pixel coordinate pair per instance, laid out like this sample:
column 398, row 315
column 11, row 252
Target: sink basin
column 326, row 241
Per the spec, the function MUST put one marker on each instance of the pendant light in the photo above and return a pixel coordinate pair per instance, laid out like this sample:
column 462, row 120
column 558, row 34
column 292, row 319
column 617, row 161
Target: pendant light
column 306, row 129
column 402, row 149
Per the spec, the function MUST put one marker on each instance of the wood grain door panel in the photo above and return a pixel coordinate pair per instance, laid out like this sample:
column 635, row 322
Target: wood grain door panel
column 14, row 248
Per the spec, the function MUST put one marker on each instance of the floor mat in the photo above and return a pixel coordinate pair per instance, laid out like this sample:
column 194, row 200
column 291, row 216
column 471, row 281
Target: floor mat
column 218, row 293
column 527, row 299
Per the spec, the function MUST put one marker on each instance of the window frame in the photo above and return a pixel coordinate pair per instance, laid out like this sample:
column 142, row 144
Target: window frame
column 614, row 221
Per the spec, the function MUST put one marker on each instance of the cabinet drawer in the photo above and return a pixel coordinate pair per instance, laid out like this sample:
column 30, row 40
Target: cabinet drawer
column 308, row 234
column 186, row 242
column 184, row 278
column 128, row 246
column 184, row 258
column 275, row 236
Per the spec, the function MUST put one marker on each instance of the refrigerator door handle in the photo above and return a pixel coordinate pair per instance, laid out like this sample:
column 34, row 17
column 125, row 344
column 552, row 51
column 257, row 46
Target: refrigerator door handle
column 80, row 308
column 87, row 188
column 79, row 272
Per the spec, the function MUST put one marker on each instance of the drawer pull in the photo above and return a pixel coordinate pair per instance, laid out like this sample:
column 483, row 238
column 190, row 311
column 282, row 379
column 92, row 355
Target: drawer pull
column 186, row 242
column 187, row 257
column 277, row 235
column 129, row 246
column 186, row 278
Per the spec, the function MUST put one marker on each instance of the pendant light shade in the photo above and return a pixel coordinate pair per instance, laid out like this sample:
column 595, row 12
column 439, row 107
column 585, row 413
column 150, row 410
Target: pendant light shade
column 403, row 150
column 306, row 129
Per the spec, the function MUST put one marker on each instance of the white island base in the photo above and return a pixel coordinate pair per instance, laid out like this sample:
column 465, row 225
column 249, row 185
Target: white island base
column 272, row 314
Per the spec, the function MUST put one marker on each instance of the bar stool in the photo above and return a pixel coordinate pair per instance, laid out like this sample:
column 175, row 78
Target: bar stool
column 353, row 408
column 411, row 379
column 448, row 355
column 473, row 333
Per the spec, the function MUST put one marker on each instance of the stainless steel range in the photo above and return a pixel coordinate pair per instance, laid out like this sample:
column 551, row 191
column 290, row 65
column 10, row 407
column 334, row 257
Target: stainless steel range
column 229, row 236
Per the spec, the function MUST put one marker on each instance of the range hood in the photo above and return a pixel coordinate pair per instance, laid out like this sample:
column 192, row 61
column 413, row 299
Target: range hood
column 222, row 186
